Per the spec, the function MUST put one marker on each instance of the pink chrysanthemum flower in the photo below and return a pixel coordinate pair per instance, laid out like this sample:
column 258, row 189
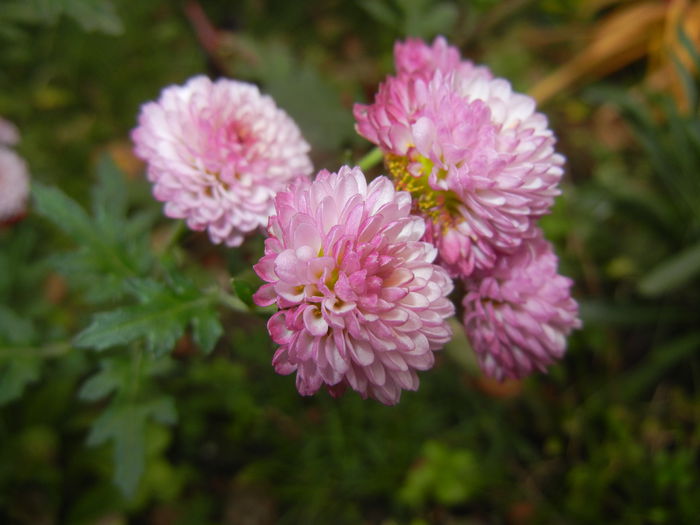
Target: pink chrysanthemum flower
column 416, row 58
column 518, row 314
column 14, row 185
column 217, row 153
column 477, row 158
column 361, row 303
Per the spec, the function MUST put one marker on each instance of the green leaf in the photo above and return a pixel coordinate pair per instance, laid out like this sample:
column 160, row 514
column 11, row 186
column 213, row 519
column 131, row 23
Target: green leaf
column 63, row 211
column 16, row 374
column 94, row 15
column 672, row 273
column 109, row 196
column 308, row 96
column 125, row 425
column 380, row 11
column 89, row 272
column 160, row 319
column 244, row 290
column 70, row 217
column 103, row 382
column 113, row 247
column 206, row 329
column 321, row 117
column 145, row 289
column 161, row 326
column 14, row 328
column 423, row 18
column 19, row 366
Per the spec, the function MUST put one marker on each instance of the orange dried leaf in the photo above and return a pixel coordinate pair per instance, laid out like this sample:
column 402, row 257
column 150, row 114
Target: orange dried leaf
column 620, row 39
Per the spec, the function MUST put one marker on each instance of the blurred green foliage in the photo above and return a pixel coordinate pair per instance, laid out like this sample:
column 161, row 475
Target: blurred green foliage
column 164, row 409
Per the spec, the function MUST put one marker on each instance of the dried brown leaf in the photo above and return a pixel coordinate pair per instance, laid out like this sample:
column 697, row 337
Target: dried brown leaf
column 620, row 38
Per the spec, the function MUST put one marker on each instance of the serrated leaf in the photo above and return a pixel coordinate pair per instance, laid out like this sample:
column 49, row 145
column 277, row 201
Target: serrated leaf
column 15, row 273
column 104, row 427
column 102, row 383
column 180, row 283
column 92, row 15
column 109, row 196
column 14, row 328
column 380, row 11
column 125, row 426
column 161, row 322
column 140, row 223
column 309, row 97
column 129, row 452
column 129, row 324
column 63, row 211
column 206, row 329
column 88, row 272
column 18, row 366
column 16, row 374
column 112, row 247
column 144, row 290
column 425, row 19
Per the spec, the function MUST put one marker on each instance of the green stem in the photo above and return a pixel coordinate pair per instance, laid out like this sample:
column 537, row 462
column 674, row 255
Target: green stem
column 50, row 350
column 370, row 160
column 176, row 230
column 230, row 301
column 136, row 372
column 234, row 303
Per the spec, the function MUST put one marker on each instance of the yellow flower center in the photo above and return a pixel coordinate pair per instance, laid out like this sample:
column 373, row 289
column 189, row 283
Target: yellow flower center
column 439, row 205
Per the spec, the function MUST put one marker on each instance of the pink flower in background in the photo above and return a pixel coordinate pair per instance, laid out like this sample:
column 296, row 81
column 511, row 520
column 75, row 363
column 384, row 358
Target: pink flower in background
column 361, row 303
column 416, row 58
column 14, row 185
column 217, row 153
column 9, row 135
column 14, row 176
column 477, row 158
column 518, row 314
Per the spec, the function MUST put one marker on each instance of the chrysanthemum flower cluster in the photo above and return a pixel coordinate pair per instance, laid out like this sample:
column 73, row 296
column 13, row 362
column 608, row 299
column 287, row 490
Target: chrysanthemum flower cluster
column 14, row 176
column 481, row 166
column 361, row 272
